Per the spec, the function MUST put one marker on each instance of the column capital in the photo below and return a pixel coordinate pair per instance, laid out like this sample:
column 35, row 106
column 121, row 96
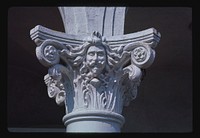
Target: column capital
column 94, row 75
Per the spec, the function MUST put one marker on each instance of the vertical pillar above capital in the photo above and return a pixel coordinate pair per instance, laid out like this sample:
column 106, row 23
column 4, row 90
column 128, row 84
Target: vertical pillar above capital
column 108, row 21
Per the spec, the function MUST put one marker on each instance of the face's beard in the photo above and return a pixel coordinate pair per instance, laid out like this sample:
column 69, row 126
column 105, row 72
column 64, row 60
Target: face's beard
column 96, row 67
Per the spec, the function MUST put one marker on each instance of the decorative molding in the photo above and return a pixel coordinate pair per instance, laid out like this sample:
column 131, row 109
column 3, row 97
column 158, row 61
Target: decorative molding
column 41, row 33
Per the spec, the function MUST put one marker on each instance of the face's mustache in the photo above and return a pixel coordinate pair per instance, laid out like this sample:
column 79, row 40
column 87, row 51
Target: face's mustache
column 96, row 63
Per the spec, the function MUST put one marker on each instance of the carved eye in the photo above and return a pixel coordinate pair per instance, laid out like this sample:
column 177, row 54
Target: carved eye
column 91, row 53
column 101, row 54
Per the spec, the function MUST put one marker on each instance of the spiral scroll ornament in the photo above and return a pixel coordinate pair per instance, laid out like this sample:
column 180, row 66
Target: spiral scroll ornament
column 143, row 55
column 48, row 52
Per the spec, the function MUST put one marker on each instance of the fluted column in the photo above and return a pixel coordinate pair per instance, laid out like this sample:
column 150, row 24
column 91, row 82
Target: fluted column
column 91, row 74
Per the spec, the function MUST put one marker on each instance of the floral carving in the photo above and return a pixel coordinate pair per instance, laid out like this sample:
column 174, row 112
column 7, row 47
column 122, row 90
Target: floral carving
column 55, row 87
column 50, row 52
column 140, row 54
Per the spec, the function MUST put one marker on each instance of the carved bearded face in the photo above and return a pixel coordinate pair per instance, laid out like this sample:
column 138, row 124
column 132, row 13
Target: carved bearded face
column 96, row 59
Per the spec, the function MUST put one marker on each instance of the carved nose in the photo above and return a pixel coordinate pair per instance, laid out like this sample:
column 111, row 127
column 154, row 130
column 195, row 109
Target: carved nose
column 95, row 57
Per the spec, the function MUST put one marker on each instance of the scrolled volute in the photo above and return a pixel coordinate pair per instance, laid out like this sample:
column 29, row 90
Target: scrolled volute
column 142, row 55
column 48, row 52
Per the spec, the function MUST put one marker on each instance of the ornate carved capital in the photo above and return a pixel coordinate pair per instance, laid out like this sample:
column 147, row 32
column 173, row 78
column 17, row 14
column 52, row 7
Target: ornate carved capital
column 94, row 75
